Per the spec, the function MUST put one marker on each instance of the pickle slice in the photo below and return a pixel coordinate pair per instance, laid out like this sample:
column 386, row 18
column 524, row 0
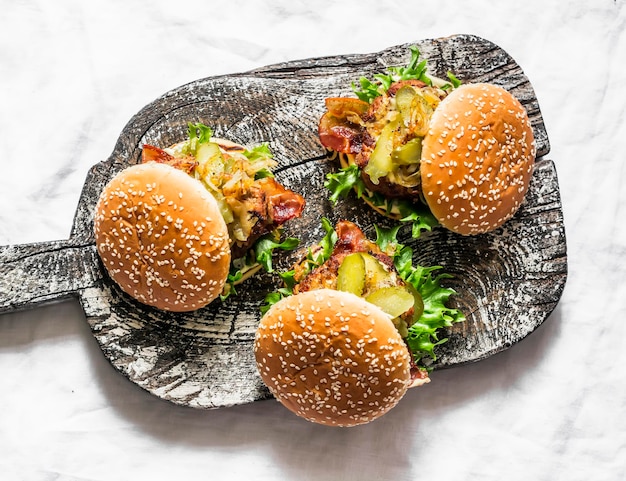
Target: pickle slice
column 351, row 274
column 379, row 164
column 394, row 300
column 210, row 163
column 404, row 102
column 409, row 153
column 375, row 274
column 421, row 112
column 418, row 305
column 209, row 153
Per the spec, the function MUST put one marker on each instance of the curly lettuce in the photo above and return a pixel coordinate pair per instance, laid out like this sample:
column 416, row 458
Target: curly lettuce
column 423, row 334
column 348, row 179
column 416, row 69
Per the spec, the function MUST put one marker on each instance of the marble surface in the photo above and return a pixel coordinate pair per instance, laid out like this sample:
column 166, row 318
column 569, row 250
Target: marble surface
column 549, row 408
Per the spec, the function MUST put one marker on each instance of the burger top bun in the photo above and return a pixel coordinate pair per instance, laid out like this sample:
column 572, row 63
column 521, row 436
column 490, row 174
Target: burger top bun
column 477, row 158
column 332, row 358
column 162, row 238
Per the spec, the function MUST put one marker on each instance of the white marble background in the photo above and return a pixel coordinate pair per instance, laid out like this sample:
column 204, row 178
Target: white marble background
column 72, row 73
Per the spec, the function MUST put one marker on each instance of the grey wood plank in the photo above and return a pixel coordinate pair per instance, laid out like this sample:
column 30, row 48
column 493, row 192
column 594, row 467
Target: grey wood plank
column 508, row 281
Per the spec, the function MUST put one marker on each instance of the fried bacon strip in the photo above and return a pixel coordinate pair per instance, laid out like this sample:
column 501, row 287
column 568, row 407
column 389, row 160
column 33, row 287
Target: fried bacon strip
column 351, row 127
column 341, row 128
column 270, row 205
column 150, row 153
column 349, row 239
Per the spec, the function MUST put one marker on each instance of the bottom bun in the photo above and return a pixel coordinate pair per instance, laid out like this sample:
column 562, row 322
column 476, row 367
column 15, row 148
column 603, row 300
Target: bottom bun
column 332, row 358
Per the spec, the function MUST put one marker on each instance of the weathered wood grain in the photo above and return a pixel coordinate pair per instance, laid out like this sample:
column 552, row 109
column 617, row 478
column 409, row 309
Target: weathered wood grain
column 507, row 281
column 32, row 274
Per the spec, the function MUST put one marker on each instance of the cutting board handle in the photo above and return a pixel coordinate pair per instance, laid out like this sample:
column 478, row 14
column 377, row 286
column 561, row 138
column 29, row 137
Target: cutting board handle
column 32, row 274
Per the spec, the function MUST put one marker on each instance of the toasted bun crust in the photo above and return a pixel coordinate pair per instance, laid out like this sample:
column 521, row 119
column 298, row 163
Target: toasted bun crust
column 162, row 238
column 332, row 358
column 477, row 158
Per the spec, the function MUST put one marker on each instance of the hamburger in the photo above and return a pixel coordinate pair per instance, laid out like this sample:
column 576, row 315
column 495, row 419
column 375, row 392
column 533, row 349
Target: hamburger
column 192, row 221
column 355, row 326
column 431, row 152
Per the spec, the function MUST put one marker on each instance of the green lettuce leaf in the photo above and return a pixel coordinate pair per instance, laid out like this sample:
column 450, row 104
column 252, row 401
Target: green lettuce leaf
column 286, row 291
column 416, row 69
column 418, row 214
column 387, row 240
column 314, row 258
column 200, row 132
column 317, row 258
column 260, row 254
column 265, row 246
column 368, row 90
column 197, row 134
column 343, row 181
column 259, row 152
column 348, row 178
column 455, row 82
column 423, row 335
column 273, row 297
column 233, row 277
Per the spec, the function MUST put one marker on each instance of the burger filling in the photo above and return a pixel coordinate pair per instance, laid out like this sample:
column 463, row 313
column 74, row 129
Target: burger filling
column 253, row 204
column 378, row 139
column 359, row 266
column 380, row 272
column 384, row 137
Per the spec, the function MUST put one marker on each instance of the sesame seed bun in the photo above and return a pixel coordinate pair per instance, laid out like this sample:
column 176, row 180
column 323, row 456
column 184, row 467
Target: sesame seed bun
column 477, row 158
column 161, row 237
column 332, row 358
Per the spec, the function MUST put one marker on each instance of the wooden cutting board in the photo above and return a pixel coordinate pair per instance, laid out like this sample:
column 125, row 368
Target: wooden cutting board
column 508, row 281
